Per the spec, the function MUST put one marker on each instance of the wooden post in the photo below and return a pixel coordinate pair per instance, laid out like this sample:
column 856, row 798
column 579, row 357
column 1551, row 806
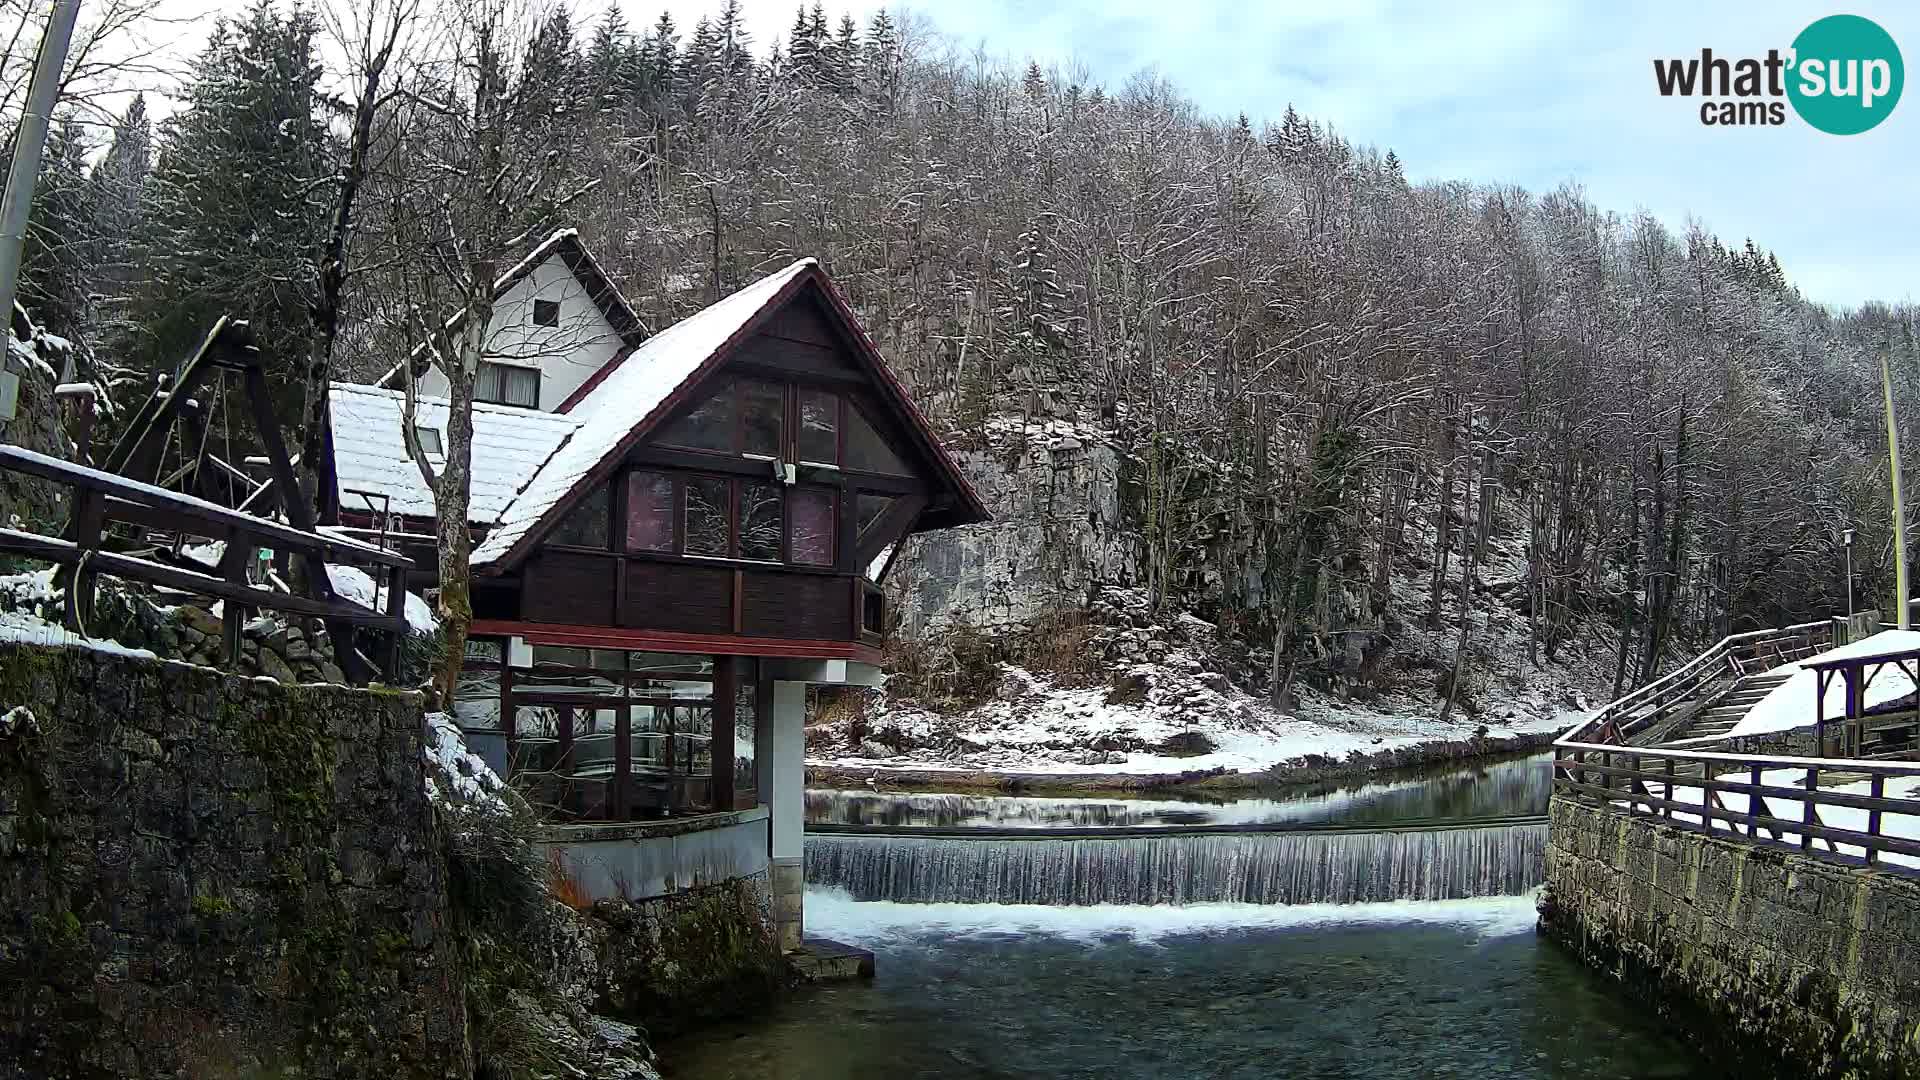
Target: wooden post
column 617, row 789
column 397, row 631
column 83, row 528
column 509, row 715
column 1806, row 803
column 1753, row 804
column 1878, row 791
column 563, row 760
column 1667, row 811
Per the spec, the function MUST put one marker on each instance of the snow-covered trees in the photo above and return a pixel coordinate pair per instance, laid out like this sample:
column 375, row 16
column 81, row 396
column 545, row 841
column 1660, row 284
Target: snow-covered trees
column 1316, row 368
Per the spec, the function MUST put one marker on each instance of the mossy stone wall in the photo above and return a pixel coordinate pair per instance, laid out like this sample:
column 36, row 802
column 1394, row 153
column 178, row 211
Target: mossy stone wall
column 673, row 962
column 1775, row 963
column 212, row 876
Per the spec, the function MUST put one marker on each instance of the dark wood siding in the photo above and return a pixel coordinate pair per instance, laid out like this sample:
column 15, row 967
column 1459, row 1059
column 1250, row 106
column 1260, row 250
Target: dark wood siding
column 774, row 603
column 684, row 597
column 803, row 320
column 798, row 356
column 565, row 587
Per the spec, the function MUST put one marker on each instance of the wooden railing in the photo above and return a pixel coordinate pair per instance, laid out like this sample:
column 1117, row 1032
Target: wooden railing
column 1692, row 684
column 1664, row 783
column 1845, row 809
column 100, row 499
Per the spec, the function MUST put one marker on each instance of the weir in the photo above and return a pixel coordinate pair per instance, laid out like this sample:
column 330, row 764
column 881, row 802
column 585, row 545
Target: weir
column 1295, row 866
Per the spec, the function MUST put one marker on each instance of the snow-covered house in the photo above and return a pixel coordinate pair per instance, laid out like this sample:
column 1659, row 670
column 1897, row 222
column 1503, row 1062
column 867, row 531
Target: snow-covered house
column 677, row 531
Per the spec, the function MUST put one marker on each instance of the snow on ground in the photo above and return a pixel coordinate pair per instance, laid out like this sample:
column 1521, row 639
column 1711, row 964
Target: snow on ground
column 1791, row 704
column 455, row 775
column 356, row 585
column 1905, row 826
column 23, row 597
column 1036, row 727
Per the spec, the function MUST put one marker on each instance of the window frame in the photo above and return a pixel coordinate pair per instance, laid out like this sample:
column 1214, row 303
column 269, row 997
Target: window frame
column 848, row 405
column 544, row 306
column 505, row 368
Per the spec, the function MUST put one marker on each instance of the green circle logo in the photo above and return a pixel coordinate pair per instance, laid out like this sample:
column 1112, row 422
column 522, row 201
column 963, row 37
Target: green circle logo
column 1846, row 76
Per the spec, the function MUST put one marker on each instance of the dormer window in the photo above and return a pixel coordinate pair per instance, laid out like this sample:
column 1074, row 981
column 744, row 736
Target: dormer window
column 546, row 313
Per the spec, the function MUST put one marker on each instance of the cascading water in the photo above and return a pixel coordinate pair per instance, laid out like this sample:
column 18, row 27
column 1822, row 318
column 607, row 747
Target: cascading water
column 1298, row 867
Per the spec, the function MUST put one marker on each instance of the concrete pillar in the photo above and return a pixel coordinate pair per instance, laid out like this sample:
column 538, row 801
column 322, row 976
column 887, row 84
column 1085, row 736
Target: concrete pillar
column 785, row 755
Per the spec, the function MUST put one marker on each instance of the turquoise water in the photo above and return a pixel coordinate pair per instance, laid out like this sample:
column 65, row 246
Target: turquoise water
column 1000, row 992
column 1519, row 785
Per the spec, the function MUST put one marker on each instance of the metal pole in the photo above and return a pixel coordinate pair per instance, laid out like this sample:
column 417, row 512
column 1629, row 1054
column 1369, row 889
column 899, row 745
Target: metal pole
column 28, row 142
column 1899, row 509
column 1847, row 537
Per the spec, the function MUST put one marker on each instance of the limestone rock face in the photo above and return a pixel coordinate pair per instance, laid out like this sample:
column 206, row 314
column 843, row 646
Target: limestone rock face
column 1058, row 533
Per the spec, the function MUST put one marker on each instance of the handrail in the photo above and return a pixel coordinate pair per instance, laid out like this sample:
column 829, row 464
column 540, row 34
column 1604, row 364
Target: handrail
column 1661, row 781
column 1687, row 677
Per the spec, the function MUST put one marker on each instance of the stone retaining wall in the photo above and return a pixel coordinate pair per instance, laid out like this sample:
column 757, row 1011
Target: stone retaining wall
column 1776, row 963
column 212, row 876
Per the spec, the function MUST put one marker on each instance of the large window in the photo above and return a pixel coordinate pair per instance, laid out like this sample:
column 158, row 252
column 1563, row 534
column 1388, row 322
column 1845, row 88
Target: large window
column 787, row 422
column 812, row 512
column 585, row 525
column 708, row 427
column 649, row 511
column 506, row 384
column 716, row 517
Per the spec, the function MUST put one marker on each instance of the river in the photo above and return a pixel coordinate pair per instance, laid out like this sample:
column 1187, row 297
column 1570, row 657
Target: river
column 1184, row 978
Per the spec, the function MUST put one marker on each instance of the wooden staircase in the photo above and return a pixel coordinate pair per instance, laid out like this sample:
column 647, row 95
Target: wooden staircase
column 1725, row 711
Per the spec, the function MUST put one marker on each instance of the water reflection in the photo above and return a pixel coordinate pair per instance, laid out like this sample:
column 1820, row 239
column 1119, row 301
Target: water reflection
column 1513, row 786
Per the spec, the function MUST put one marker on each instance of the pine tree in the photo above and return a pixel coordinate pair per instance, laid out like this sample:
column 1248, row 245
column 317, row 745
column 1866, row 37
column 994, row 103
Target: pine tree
column 735, row 52
column 1035, row 83
column 803, row 48
column 550, row 76
column 663, row 59
column 611, row 71
column 230, row 223
column 119, row 184
column 881, row 59
column 56, row 262
column 843, row 66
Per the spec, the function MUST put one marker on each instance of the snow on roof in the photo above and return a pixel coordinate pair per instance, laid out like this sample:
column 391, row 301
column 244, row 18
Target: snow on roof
column 1791, row 704
column 625, row 399
column 509, row 446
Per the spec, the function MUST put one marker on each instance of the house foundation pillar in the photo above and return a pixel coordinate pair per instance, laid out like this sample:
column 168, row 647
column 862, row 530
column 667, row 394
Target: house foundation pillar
column 786, row 760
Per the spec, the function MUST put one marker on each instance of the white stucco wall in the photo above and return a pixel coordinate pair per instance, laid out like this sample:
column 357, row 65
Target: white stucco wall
column 567, row 354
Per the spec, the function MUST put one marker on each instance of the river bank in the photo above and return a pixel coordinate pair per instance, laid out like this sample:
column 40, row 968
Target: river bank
column 1199, row 783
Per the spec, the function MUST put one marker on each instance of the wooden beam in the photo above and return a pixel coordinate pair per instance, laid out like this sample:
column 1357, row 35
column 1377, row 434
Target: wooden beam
column 126, row 498
column 67, row 553
column 891, row 527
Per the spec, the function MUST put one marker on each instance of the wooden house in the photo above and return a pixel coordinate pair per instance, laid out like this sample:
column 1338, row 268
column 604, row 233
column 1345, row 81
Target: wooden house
column 676, row 532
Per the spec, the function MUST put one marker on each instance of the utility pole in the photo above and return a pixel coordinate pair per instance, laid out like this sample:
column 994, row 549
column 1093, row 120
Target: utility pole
column 24, row 174
column 1899, row 509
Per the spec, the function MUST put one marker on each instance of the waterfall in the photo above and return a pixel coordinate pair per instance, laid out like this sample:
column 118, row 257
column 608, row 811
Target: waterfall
column 1302, row 867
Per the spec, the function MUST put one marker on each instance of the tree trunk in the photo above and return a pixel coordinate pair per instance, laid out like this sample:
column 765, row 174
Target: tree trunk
column 454, row 490
column 333, row 282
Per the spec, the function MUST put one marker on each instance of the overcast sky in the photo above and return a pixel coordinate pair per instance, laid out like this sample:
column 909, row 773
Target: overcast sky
column 1528, row 92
